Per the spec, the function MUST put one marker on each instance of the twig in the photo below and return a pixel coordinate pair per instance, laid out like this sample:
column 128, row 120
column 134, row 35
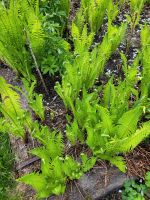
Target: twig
column 79, row 189
column 35, row 62
column 26, row 163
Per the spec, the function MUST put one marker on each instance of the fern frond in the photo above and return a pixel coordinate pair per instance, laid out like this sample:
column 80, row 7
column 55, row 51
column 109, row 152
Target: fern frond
column 37, row 181
column 127, row 124
column 118, row 161
column 127, row 144
column 18, row 120
column 145, row 40
column 15, row 21
column 106, row 124
column 10, row 100
column 94, row 12
column 132, row 141
column 51, row 140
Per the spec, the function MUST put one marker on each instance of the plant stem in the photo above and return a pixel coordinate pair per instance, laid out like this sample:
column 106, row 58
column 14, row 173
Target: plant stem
column 35, row 62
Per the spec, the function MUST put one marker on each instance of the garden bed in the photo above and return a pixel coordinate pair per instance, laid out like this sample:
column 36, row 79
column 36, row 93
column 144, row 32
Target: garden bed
column 104, row 180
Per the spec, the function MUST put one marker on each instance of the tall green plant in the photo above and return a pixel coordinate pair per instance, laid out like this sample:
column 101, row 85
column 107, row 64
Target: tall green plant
column 145, row 42
column 28, row 40
column 136, row 7
column 87, row 65
column 105, row 125
column 16, row 119
column 16, row 22
column 94, row 12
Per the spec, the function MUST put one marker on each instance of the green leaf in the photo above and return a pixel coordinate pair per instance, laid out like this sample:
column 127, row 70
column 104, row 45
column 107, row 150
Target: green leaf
column 118, row 161
column 37, row 181
column 127, row 124
column 87, row 163
column 106, row 124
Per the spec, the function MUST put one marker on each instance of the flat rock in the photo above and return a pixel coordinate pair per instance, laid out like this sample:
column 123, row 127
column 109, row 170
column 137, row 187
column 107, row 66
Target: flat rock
column 94, row 185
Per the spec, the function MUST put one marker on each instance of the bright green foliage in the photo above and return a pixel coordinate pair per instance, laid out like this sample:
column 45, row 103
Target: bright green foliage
column 17, row 120
column 136, row 7
column 35, row 100
column 94, row 12
column 55, row 169
column 23, row 27
column 87, row 66
column 110, row 125
column 107, row 133
column 104, row 124
column 16, row 22
column 145, row 41
column 112, row 12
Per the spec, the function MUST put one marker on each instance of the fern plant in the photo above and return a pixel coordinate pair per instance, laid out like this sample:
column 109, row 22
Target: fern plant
column 56, row 169
column 16, row 22
column 87, row 65
column 16, row 119
column 12, row 41
column 109, row 130
column 25, row 41
column 94, row 12
column 136, row 7
column 104, row 124
column 145, row 42
column 35, row 100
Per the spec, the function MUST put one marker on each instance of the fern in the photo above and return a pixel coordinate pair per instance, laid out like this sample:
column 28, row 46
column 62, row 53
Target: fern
column 128, row 126
column 87, row 66
column 129, row 143
column 55, row 168
column 118, row 161
column 11, row 107
column 145, row 86
column 12, row 40
column 17, row 120
column 10, row 99
column 74, row 133
column 37, row 181
column 35, row 100
column 94, row 13
column 107, row 128
column 136, row 7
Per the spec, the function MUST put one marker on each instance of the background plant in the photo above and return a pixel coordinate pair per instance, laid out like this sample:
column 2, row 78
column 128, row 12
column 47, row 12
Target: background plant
column 136, row 190
column 26, row 41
